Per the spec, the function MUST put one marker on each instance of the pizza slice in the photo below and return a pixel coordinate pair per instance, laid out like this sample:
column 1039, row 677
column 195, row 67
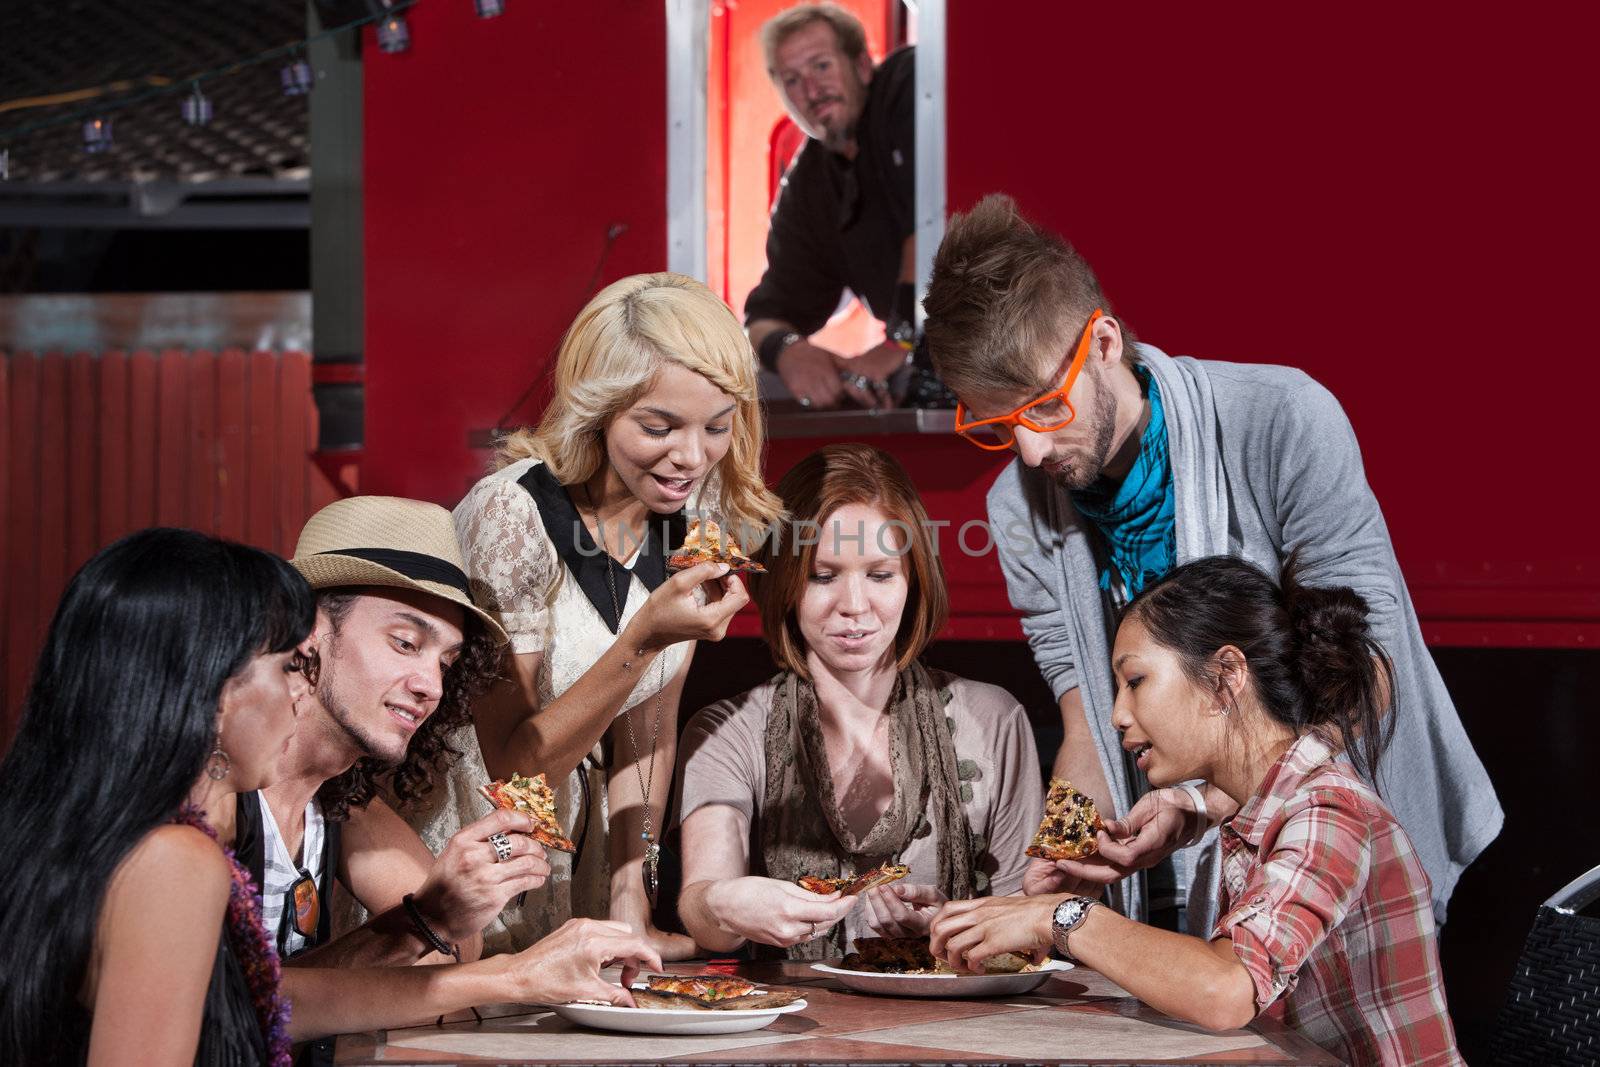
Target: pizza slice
column 1070, row 823
column 706, row 543
column 704, row 986
column 534, row 798
column 891, row 955
column 708, row 992
column 851, row 886
column 911, row 955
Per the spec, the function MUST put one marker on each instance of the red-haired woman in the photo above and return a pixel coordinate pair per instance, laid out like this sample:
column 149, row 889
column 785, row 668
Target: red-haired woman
column 903, row 763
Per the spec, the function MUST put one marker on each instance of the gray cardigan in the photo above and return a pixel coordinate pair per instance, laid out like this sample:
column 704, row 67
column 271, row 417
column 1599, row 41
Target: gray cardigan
column 1264, row 462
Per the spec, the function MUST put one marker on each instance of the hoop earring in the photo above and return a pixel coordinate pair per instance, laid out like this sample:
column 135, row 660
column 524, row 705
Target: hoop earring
column 218, row 764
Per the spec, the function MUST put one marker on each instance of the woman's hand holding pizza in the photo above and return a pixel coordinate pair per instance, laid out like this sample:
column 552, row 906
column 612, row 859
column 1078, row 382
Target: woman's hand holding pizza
column 902, row 909
column 469, row 884
column 967, row 932
column 774, row 912
column 565, row 965
column 693, row 605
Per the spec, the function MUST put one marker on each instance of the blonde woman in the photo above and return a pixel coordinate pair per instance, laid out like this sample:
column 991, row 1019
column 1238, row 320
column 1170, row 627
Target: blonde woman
column 654, row 414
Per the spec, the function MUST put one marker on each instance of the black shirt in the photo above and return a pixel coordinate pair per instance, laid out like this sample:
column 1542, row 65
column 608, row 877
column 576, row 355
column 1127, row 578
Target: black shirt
column 839, row 224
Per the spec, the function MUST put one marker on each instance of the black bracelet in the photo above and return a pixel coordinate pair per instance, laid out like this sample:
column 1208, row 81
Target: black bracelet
column 772, row 346
column 426, row 932
column 901, row 325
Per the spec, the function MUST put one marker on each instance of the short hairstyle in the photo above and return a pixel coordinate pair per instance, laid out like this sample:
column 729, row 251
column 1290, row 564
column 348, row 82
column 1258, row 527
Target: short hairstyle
column 847, row 30
column 609, row 357
column 1002, row 290
column 828, row 479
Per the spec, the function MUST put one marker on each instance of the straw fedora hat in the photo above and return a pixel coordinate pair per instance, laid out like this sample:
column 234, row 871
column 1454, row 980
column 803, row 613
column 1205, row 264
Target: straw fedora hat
column 387, row 541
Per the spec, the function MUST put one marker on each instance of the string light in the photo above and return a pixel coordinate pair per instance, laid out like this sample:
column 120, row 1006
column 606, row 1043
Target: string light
column 393, row 34
column 96, row 135
column 488, row 9
column 297, row 78
column 197, row 108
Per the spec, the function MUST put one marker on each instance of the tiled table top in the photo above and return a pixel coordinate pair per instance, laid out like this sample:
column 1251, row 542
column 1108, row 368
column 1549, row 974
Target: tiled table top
column 1079, row 1017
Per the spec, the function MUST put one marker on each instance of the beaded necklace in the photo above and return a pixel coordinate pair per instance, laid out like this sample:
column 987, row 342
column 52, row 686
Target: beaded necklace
column 257, row 956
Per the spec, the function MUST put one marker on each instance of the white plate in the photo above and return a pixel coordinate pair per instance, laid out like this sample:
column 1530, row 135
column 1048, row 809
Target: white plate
column 943, row 985
column 668, row 1021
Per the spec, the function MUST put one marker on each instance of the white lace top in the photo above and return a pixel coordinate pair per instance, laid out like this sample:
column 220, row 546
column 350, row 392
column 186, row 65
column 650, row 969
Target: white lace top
column 517, row 573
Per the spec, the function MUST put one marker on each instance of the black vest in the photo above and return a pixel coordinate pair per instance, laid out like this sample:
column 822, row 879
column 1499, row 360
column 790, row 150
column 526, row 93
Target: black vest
column 250, row 847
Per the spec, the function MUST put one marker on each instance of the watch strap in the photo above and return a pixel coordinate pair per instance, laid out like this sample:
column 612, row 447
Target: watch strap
column 1059, row 933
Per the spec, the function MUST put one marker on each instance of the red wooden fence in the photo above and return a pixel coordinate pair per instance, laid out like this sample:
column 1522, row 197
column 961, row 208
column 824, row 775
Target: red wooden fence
column 94, row 446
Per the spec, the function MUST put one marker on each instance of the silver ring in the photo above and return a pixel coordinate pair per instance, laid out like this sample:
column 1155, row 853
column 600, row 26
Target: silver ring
column 860, row 381
column 805, row 401
column 502, row 846
column 813, row 931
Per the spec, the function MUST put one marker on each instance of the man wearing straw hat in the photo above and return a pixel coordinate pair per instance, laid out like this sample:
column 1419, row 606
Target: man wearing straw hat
column 400, row 651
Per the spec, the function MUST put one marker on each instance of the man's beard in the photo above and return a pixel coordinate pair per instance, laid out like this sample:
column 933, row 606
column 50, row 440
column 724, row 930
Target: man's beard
column 370, row 744
column 838, row 139
column 1103, row 427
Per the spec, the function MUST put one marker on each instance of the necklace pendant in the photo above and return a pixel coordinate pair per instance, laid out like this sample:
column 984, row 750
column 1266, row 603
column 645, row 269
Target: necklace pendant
column 652, row 859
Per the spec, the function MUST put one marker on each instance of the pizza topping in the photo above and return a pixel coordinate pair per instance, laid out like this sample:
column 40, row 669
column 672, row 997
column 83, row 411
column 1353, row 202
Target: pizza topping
column 535, row 799
column 703, row 986
column 708, row 992
column 1067, row 831
column 705, row 542
column 816, row 883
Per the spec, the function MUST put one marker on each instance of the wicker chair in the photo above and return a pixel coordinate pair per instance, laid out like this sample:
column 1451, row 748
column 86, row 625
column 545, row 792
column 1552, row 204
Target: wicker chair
column 1552, row 1011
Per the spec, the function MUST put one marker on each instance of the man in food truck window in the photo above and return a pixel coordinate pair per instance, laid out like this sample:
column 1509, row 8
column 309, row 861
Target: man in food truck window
column 845, row 216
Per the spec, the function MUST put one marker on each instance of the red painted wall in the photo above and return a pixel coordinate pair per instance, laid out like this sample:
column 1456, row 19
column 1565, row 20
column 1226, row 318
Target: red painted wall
column 1400, row 200
column 498, row 152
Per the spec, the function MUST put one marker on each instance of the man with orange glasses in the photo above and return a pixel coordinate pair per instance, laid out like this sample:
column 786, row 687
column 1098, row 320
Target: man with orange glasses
column 1130, row 462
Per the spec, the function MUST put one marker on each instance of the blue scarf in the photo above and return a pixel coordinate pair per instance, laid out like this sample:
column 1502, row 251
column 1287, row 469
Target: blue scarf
column 1136, row 517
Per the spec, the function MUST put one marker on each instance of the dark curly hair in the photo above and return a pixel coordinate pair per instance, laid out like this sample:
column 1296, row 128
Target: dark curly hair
column 430, row 752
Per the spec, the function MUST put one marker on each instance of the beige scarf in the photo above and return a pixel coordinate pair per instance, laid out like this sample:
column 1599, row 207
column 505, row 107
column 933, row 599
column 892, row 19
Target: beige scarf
column 922, row 757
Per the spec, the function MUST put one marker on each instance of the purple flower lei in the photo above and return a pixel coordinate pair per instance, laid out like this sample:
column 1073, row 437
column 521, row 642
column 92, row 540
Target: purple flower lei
column 257, row 955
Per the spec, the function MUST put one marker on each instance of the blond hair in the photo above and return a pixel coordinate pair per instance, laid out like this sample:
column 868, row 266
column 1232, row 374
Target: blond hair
column 609, row 359
column 847, row 30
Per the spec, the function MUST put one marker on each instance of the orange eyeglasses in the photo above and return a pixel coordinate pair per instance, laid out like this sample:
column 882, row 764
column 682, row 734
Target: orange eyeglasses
column 1048, row 413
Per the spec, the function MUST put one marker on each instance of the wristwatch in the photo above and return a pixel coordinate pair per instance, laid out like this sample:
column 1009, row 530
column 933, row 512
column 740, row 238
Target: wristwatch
column 1069, row 915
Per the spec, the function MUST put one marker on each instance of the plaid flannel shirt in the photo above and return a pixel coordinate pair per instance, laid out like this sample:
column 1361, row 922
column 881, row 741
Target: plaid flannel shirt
column 1330, row 911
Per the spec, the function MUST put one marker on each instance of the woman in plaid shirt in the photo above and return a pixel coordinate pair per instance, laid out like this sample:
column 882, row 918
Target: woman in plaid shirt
column 1254, row 688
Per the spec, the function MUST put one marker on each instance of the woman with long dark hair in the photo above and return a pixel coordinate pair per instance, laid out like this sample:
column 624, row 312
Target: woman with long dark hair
column 1257, row 688
column 167, row 684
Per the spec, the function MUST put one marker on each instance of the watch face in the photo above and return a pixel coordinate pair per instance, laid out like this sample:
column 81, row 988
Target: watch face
column 1068, row 912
